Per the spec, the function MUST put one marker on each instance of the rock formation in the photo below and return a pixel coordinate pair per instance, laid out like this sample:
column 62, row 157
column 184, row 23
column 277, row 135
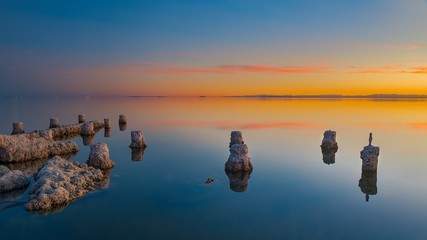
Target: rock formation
column 12, row 180
column 238, row 180
column 27, row 147
column 54, row 123
column 137, row 139
column 82, row 118
column 88, row 129
column 369, row 156
column 368, row 183
column 236, row 138
column 329, row 140
column 99, row 157
column 60, row 181
column 238, row 159
column 107, row 123
column 18, row 128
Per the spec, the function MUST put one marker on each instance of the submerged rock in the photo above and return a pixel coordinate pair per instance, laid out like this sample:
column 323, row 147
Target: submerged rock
column 99, row 157
column 12, row 180
column 239, row 159
column 27, row 147
column 329, row 140
column 60, row 181
column 368, row 183
column 238, row 180
column 210, row 180
column 369, row 156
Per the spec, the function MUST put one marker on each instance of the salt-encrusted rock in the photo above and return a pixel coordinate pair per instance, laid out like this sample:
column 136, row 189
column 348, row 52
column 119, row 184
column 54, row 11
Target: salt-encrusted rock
column 368, row 183
column 82, row 118
column 329, row 140
column 328, row 155
column 369, row 156
column 238, row 180
column 137, row 154
column 12, row 180
column 73, row 130
column 99, row 157
column 122, row 119
column 28, row 147
column 18, row 128
column 238, row 159
column 47, row 134
column 60, row 181
column 54, row 123
column 210, row 180
column 236, row 138
column 107, row 123
column 137, row 140
column 88, row 129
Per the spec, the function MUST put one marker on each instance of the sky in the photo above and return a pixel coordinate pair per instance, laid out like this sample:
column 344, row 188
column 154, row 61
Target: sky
column 212, row 48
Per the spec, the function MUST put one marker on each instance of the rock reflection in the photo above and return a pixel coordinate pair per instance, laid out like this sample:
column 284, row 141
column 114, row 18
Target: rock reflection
column 122, row 126
column 368, row 183
column 12, row 195
column 107, row 132
column 328, row 155
column 137, row 154
column 238, row 180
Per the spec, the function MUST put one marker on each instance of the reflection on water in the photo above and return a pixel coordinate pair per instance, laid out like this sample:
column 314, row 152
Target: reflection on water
column 137, row 154
column 88, row 140
column 107, row 132
column 368, row 184
column 328, row 155
column 238, row 180
column 298, row 198
column 123, row 126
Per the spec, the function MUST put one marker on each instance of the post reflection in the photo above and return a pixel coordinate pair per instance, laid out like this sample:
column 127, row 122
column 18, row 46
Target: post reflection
column 368, row 184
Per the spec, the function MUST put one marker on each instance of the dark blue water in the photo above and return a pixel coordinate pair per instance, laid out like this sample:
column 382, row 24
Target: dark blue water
column 291, row 193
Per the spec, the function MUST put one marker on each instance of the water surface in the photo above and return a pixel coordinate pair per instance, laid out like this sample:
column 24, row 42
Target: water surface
column 292, row 193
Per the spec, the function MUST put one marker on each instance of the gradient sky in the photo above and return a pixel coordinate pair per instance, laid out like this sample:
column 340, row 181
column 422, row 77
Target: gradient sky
column 221, row 47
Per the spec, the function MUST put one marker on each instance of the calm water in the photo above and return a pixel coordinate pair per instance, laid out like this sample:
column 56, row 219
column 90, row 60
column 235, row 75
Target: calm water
column 292, row 193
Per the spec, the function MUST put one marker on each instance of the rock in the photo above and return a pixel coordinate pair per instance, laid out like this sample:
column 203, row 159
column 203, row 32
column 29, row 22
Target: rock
column 99, row 157
column 238, row 180
column 236, row 138
column 59, row 182
column 12, row 180
column 369, row 156
column 18, row 128
column 82, row 118
column 210, row 180
column 107, row 123
column 368, row 183
column 122, row 119
column 137, row 140
column 28, row 147
column 54, row 123
column 329, row 140
column 238, row 159
column 74, row 130
column 88, row 129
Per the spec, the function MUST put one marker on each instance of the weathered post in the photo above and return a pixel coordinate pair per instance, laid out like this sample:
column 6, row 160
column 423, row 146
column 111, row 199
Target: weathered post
column 54, row 123
column 18, row 128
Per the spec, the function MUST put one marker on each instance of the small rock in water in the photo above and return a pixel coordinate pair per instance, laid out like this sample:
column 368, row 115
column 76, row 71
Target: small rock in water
column 99, row 157
column 12, row 180
column 137, row 139
column 369, row 156
column 329, row 140
column 210, row 180
column 239, row 159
